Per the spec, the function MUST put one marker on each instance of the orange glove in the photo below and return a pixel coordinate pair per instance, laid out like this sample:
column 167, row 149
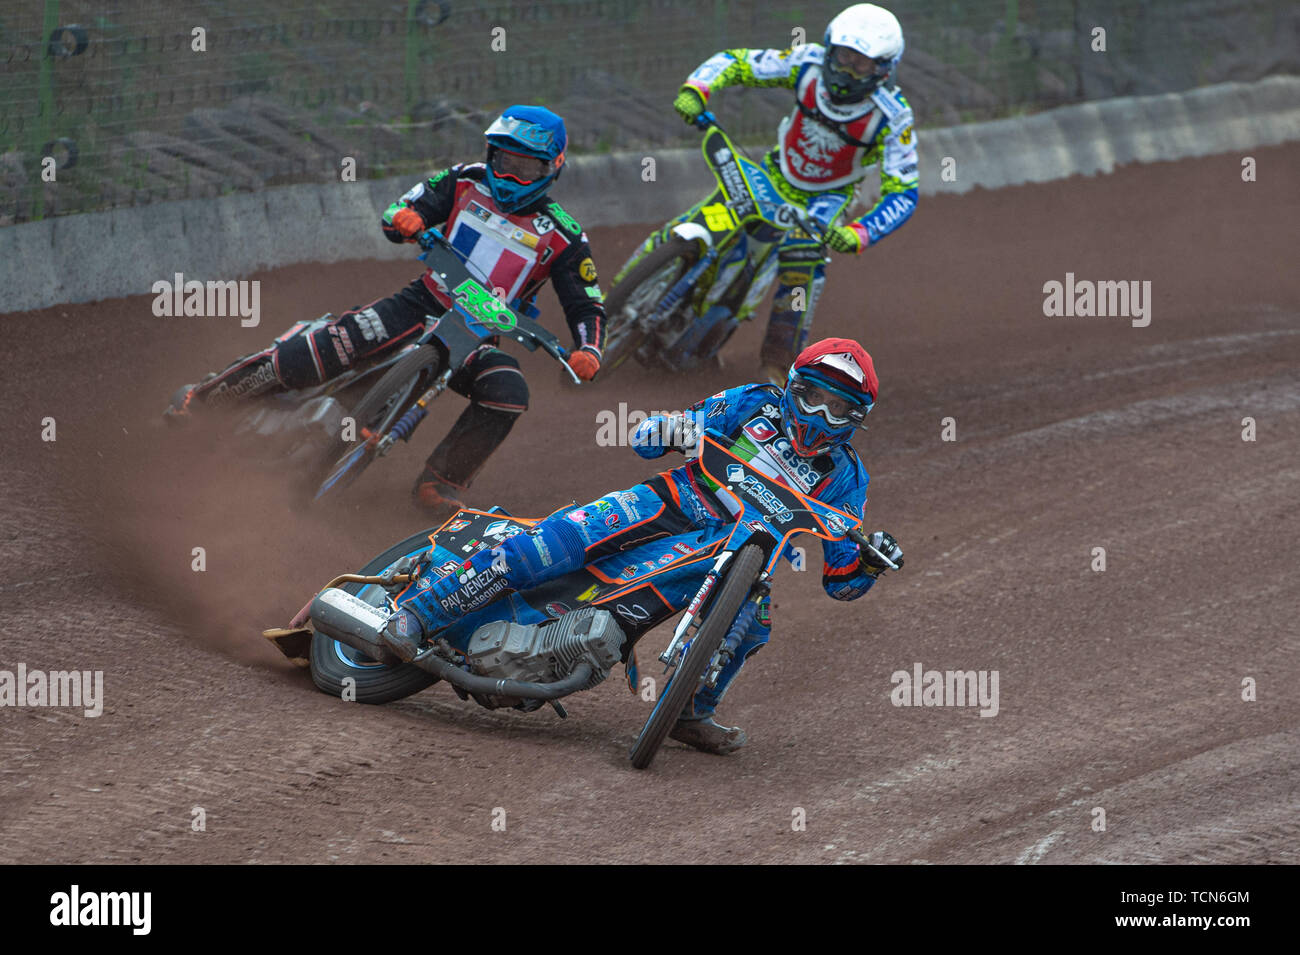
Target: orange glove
column 585, row 362
column 408, row 222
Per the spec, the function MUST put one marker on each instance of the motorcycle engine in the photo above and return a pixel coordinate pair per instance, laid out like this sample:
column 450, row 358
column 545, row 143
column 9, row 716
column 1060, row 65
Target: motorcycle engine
column 540, row 653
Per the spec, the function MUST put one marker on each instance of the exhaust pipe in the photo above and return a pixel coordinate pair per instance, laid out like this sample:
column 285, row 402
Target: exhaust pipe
column 348, row 619
column 473, row 683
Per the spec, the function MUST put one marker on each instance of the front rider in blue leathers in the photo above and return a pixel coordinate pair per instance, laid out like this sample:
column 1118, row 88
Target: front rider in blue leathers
column 798, row 435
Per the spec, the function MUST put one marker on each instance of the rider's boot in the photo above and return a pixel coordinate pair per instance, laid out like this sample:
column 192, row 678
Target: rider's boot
column 498, row 395
column 696, row 725
column 706, row 734
column 180, row 410
column 247, row 377
column 297, row 359
column 434, row 495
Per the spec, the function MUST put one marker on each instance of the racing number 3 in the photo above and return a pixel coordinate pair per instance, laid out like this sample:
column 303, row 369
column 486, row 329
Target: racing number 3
column 484, row 306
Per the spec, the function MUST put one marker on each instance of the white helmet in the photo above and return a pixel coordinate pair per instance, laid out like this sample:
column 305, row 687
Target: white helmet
column 863, row 46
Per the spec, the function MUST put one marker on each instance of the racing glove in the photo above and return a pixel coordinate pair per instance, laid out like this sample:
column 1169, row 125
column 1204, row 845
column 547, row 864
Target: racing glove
column 408, row 222
column 870, row 563
column 689, row 104
column 585, row 362
column 847, row 238
column 659, row 434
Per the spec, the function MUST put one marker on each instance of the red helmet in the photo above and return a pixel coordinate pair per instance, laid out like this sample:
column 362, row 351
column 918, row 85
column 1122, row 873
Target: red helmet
column 828, row 392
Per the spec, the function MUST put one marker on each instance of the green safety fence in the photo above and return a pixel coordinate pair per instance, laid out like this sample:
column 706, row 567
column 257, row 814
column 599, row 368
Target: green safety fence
column 106, row 104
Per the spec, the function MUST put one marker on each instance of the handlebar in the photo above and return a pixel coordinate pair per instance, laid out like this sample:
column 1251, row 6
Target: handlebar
column 432, row 238
column 863, row 541
column 707, row 120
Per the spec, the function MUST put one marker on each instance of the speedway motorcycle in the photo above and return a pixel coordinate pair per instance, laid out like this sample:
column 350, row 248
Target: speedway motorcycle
column 337, row 429
column 534, row 647
column 676, row 307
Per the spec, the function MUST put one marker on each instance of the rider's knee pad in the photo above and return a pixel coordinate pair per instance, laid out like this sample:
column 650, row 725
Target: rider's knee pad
column 499, row 385
column 296, row 362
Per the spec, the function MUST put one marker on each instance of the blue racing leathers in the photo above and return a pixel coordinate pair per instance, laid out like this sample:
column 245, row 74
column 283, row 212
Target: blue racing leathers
column 675, row 502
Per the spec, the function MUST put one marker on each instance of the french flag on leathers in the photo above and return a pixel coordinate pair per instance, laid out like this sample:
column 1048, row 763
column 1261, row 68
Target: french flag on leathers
column 502, row 262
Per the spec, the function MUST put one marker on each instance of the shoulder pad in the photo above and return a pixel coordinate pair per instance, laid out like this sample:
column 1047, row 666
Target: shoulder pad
column 806, row 54
column 892, row 106
column 566, row 221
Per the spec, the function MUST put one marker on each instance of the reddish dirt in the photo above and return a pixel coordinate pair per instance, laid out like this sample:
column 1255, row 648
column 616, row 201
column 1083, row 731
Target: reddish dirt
column 1119, row 689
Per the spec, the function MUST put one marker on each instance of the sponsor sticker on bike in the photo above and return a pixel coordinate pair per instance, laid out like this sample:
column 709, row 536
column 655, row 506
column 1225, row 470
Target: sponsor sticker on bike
column 482, row 306
column 766, row 500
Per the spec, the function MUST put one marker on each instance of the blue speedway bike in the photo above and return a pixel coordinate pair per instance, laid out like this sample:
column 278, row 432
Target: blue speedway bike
column 686, row 289
column 530, row 648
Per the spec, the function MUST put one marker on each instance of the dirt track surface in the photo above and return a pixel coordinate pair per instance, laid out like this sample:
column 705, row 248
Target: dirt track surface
column 1119, row 689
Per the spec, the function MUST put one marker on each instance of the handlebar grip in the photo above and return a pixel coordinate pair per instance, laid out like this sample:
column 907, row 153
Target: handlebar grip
column 862, row 541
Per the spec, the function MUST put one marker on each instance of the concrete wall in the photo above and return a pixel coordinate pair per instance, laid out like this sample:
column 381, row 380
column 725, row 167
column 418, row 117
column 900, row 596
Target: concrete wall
column 83, row 258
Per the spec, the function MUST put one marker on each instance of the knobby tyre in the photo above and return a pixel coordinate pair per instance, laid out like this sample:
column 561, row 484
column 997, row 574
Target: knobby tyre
column 685, row 681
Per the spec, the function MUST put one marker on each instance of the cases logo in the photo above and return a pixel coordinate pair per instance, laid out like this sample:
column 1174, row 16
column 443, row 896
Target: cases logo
column 760, row 430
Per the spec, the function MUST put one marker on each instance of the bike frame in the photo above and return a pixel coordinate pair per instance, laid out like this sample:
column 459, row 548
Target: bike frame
column 746, row 210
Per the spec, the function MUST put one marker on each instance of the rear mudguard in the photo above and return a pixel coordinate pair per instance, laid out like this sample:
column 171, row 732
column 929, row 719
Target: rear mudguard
column 693, row 231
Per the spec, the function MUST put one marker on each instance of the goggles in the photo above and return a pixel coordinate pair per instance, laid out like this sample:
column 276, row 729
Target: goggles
column 858, row 65
column 520, row 167
column 833, row 408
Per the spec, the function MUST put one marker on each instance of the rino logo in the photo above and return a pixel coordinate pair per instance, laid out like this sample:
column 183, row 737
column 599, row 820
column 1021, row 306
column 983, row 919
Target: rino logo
column 103, row 908
column 210, row 299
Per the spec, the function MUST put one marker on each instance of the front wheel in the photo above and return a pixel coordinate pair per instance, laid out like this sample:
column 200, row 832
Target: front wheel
column 685, row 681
column 638, row 294
column 390, row 398
column 333, row 663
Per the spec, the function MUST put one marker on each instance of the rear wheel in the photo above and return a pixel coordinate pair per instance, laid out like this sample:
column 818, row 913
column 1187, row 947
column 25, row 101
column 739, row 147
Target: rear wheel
column 333, row 662
column 638, row 294
column 390, row 398
column 685, row 681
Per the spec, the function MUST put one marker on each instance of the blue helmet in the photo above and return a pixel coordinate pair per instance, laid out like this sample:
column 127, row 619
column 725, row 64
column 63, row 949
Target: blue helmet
column 831, row 387
column 525, row 152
